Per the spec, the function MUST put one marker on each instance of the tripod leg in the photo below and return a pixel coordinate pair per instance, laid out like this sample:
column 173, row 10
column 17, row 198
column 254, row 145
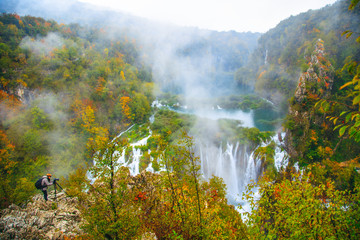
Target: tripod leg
column 62, row 189
column 55, row 190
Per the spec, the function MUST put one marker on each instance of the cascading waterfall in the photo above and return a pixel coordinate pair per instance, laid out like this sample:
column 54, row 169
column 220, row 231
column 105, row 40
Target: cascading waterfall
column 134, row 163
column 235, row 164
column 233, row 173
column 281, row 160
column 266, row 57
column 232, row 163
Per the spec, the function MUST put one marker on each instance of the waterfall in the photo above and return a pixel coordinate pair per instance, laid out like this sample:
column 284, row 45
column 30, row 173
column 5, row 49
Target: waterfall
column 235, row 164
column 266, row 57
column 133, row 165
column 281, row 160
column 232, row 163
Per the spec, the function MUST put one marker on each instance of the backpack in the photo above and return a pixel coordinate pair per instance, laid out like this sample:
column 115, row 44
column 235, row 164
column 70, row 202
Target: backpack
column 38, row 183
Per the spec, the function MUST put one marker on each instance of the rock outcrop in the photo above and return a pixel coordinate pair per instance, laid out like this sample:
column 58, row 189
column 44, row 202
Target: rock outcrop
column 314, row 84
column 318, row 79
column 54, row 219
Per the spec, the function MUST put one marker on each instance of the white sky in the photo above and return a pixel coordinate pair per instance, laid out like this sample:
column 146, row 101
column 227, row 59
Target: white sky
column 221, row 15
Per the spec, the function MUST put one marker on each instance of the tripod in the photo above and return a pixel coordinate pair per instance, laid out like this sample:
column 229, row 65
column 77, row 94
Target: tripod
column 56, row 184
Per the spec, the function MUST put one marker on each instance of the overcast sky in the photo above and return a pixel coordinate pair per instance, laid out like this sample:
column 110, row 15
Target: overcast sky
column 221, row 15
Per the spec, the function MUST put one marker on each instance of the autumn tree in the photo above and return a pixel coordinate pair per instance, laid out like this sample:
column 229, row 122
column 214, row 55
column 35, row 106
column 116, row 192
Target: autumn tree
column 126, row 110
column 7, row 166
column 108, row 207
column 344, row 112
column 298, row 208
column 140, row 108
column 184, row 206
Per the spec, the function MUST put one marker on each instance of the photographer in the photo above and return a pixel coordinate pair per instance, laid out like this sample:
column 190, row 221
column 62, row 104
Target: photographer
column 46, row 181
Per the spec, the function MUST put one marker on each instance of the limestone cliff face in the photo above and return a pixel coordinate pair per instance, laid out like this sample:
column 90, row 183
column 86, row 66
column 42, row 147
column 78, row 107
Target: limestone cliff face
column 314, row 84
column 318, row 79
column 42, row 220
column 25, row 95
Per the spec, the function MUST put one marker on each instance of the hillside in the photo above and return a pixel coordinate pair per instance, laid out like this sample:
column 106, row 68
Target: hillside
column 152, row 129
column 166, row 47
column 284, row 52
column 62, row 87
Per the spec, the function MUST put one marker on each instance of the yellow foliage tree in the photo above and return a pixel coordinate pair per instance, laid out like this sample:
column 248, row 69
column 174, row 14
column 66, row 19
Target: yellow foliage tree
column 122, row 75
column 124, row 101
column 98, row 134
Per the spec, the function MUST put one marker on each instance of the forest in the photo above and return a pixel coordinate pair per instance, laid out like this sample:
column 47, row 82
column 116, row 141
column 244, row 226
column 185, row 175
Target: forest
column 75, row 97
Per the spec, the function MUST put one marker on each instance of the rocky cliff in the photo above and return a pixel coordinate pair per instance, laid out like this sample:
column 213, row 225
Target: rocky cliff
column 55, row 219
column 317, row 81
column 314, row 84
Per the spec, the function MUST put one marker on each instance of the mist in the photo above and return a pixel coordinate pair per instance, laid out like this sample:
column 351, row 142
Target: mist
column 42, row 46
column 184, row 60
column 199, row 65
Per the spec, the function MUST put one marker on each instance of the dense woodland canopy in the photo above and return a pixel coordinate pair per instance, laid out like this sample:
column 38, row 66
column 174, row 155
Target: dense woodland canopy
column 68, row 90
column 58, row 91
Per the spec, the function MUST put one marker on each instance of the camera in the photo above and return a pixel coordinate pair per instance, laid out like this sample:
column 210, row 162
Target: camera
column 56, row 179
